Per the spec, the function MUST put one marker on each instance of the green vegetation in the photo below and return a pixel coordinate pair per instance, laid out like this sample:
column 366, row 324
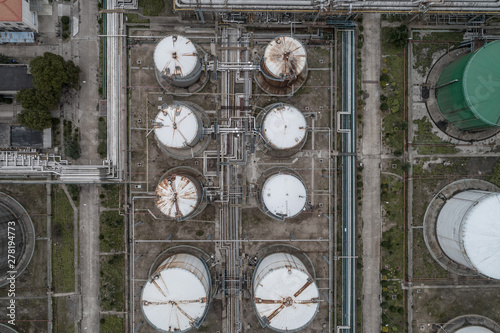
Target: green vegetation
column 102, row 136
column 112, row 282
column 393, row 98
column 5, row 59
column 112, row 229
column 152, row 7
column 111, row 195
column 432, row 144
column 392, row 249
column 134, row 18
column 494, row 177
column 74, row 192
column 52, row 76
column 61, row 320
column 71, row 141
column 425, row 48
column 63, row 265
column 112, row 324
column 398, row 36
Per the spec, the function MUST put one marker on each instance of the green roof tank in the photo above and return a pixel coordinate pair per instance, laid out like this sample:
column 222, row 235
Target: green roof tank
column 468, row 90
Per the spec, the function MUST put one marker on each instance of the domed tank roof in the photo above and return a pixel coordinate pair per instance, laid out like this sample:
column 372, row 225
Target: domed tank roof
column 176, row 297
column 468, row 230
column 284, row 195
column 474, row 329
column 286, row 297
column 284, row 127
column 177, row 196
column 481, row 234
column 176, row 126
column 175, row 56
column 284, row 57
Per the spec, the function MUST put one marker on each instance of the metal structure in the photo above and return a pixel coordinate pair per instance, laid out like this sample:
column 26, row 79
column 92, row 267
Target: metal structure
column 176, row 296
column 17, row 237
column 178, row 196
column 284, row 59
column 283, row 196
column 474, row 329
column 285, row 295
column 468, row 89
column 177, row 126
column 283, row 126
column 468, row 228
column 177, row 62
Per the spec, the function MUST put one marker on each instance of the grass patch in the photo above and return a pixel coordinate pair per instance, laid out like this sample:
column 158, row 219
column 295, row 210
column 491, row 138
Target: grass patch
column 134, row 18
column 61, row 322
column 112, row 324
column 111, row 236
column 152, row 7
column 63, row 264
column 392, row 253
column 112, row 282
column 430, row 44
column 393, row 99
column 110, row 196
column 102, row 135
column 424, row 135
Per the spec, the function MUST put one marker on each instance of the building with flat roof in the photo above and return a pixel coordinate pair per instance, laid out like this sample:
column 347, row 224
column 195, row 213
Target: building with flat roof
column 14, row 78
column 16, row 15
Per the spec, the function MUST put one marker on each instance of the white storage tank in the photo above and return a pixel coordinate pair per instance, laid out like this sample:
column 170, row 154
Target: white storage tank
column 178, row 126
column 474, row 329
column 283, row 195
column 468, row 231
column 286, row 298
column 177, row 61
column 178, row 195
column 284, row 59
column 284, row 126
column 176, row 296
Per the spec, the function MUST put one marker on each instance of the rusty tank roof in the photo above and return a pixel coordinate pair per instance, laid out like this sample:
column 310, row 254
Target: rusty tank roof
column 177, row 196
column 285, row 57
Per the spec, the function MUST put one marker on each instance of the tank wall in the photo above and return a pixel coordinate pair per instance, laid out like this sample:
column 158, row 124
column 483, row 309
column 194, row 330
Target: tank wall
column 191, row 264
column 277, row 261
column 450, row 222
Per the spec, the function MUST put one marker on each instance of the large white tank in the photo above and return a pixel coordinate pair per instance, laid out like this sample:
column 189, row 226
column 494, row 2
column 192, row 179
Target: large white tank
column 468, row 231
column 284, row 60
column 176, row 296
column 284, row 195
column 286, row 298
column 284, row 127
column 177, row 126
column 177, row 61
column 474, row 329
column 178, row 195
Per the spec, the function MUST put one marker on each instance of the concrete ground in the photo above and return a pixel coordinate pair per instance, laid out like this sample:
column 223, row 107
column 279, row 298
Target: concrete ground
column 370, row 157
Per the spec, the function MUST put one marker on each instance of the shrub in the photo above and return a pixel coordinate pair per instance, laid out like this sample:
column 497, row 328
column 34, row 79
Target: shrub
column 384, row 106
column 65, row 20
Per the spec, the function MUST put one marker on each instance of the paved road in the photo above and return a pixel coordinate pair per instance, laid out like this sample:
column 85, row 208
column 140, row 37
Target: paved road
column 370, row 156
column 86, row 46
column 89, row 257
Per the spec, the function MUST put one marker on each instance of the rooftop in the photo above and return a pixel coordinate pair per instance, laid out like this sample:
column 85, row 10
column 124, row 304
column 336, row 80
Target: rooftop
column 11, row 10
column 15, row 77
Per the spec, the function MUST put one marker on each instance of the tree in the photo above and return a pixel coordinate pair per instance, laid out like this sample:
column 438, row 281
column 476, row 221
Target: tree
column 399, row 36
column 37, row 119
column 51, row 76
